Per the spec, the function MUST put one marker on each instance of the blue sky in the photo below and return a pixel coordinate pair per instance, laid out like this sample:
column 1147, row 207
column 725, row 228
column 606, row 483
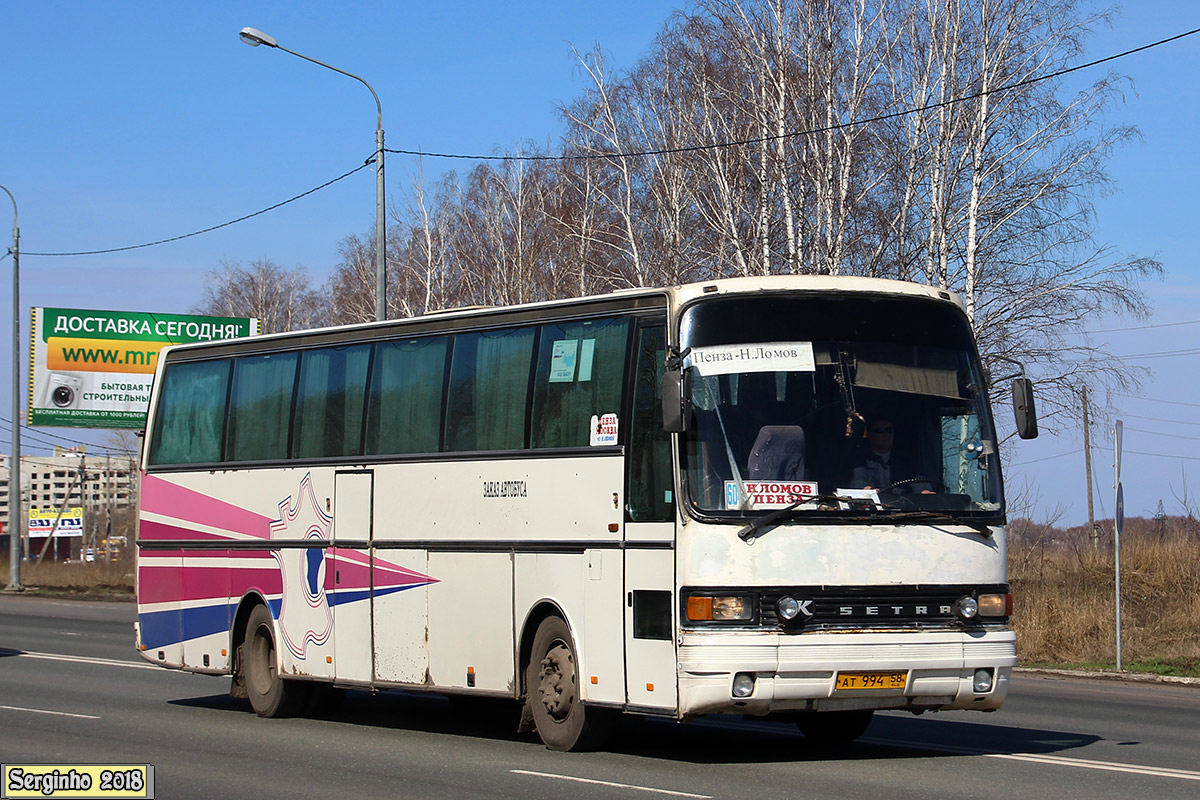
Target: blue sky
column 126, row 123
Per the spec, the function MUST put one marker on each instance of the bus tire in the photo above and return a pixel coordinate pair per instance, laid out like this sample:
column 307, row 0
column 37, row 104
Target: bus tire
column 270, row 695
column 831, row 728
column 552, row 682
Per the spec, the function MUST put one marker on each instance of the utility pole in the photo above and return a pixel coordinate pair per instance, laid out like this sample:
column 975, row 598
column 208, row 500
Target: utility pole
column 79, row 476
column 16, row 524
column 1087, row 458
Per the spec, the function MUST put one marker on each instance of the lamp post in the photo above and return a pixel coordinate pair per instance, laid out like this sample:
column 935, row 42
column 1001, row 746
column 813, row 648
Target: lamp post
column 15, row 525
column 254, row 38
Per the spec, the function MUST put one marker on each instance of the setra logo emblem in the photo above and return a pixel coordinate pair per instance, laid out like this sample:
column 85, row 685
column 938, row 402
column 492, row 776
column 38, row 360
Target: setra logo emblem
column 896, row 610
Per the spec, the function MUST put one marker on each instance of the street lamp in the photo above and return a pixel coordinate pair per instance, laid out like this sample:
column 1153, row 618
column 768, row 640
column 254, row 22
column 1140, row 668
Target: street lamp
column 255, row 37
column 15, row 525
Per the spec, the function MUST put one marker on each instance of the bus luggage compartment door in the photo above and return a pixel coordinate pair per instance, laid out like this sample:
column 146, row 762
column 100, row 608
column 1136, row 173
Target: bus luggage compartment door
column 650, row 663
column 353, row 496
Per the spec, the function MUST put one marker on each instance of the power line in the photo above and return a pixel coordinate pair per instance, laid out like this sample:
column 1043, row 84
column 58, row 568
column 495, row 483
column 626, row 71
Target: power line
column 1047, row 458
column 664, row 151
column 1146, row 327
column 1161, row 419
column 809, row 132
column 209, row 229
column 1164, row 354
column 34, row 433
column 1160, row 455
column 1157, row 433
column 1153, row 400
column 1152, row 455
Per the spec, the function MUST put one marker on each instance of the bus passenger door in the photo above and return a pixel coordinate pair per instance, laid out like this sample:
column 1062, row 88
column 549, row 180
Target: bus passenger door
column 650, row 662
column 353, row 499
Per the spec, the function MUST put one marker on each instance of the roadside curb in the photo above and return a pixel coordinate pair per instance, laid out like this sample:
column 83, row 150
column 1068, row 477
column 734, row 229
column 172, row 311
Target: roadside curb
column 1110, row 675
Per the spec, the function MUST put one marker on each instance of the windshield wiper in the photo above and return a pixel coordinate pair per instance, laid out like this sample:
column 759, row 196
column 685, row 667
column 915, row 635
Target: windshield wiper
column 882, row 511
column 924, row 513
column 749, row 533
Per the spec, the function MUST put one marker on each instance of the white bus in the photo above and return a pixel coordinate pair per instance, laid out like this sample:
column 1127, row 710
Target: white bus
column 657, row 502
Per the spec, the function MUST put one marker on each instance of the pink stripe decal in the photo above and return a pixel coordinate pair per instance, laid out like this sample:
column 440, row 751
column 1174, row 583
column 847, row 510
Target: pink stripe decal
column 174, row 584
column 160, row 530
column 160, row 496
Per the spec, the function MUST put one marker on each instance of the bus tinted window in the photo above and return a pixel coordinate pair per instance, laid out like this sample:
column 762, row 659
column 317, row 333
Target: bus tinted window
column 191, row 413
column 489, row 384
column 405, row 406
column 580, row 377
column 329, row 402
column 260, row 407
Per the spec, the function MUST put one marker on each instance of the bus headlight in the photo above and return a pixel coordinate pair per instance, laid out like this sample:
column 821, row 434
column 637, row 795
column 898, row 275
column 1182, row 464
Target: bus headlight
column 982, row 684
column 727, row 608
column 788, row 608
column 966, row 607
column 743, row 684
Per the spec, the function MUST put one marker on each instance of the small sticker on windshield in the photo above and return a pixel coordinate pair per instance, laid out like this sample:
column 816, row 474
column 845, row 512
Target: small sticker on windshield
column 727, row 359
column 603, row 430
column 767, row 494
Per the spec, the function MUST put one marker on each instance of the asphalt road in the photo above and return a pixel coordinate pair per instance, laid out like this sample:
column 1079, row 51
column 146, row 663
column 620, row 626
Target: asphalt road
column 72, row 690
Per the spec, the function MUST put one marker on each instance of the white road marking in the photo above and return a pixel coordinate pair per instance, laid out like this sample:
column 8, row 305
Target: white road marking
column 610, row 783
column 44, row 711
column 102, row 662
column 1038, row 758
column 1109, row 766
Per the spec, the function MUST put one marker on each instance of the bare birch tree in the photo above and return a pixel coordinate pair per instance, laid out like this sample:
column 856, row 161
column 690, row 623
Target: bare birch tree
column 282, row 299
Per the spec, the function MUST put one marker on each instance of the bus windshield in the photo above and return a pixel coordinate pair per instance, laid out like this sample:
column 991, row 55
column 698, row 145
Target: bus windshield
column 856, row 401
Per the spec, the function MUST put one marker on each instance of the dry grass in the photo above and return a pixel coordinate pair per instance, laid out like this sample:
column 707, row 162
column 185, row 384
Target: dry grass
column 98, row 580
column 1065, row 613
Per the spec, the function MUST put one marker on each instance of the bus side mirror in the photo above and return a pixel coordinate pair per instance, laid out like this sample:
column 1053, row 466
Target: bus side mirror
column 675, row 410
column 1023, row 409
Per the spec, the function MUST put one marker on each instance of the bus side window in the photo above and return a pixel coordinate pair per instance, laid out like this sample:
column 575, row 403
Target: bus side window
column 404, row 406
column 190, row 416
column 651, row 490
column 489, row 387
column 580, row 376
column 261, row 407
column 329, row 402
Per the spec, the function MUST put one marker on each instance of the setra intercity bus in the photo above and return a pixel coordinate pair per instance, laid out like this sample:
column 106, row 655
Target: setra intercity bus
column 661, row 502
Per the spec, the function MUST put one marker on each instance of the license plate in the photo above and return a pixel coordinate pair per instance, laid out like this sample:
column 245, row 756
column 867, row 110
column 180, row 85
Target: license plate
column 870, row 680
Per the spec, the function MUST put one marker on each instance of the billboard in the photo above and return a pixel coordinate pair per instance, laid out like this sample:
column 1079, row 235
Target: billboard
column 41, row 522
column 94, row 369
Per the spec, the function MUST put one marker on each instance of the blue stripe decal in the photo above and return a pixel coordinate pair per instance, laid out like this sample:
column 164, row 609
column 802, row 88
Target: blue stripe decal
column 173, row 626
column 162, row 628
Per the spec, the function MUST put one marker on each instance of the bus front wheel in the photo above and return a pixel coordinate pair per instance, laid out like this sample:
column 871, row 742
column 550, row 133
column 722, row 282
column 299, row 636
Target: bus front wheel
column 552, row 681
column 270, row 695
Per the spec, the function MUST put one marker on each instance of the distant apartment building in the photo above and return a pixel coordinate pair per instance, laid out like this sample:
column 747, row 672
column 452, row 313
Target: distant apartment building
column 108, row 486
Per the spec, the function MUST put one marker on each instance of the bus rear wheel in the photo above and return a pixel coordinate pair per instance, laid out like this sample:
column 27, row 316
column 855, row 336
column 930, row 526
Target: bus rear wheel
column 270, row 695
column 831, row 728
column 552, row 680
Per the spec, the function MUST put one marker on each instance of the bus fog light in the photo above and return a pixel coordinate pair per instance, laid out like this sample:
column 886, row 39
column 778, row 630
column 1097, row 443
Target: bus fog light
column 743, row 684
column 788, row 608
column 983, row 681
column 966, row 607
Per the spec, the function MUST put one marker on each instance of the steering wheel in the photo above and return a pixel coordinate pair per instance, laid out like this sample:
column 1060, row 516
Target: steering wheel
column 937, row 485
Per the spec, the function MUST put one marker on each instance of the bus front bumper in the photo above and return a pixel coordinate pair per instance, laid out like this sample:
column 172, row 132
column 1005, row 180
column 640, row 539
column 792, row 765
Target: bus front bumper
column 919, row 671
